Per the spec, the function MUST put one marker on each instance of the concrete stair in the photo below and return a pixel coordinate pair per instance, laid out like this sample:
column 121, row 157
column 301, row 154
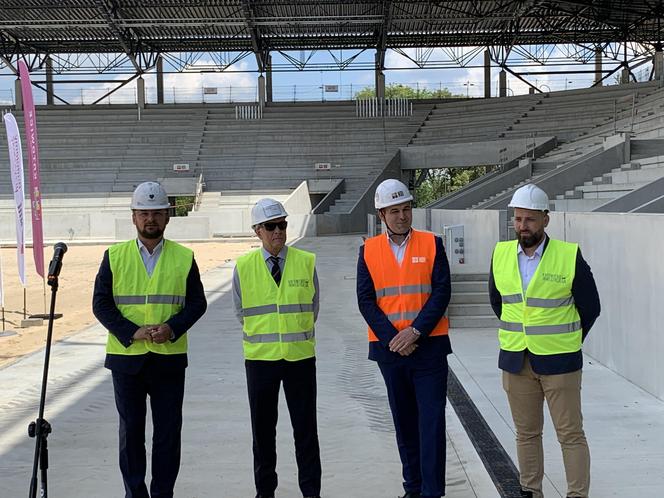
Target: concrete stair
column 469, row 306
column 612, row 185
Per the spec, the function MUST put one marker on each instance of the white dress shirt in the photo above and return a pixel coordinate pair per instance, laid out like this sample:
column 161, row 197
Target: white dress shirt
column 398, row 249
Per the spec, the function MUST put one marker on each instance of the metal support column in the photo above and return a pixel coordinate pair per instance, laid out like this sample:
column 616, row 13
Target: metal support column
column 160, row 80
column 261, row 90
column 502, row 84
column 487, row 74
column 19, row 94
column 50, row 100
column 268, row 78
column 380, row 79
column 140, row 92
column 658, row 63
column 598, row 67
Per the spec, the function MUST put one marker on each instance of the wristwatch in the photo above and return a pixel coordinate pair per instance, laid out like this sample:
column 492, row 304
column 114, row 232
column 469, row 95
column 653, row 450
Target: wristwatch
column 415, row 331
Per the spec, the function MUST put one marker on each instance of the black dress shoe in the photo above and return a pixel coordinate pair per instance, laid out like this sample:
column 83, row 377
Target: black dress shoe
column 526, row 494
column 264, row 496
column 410, row 494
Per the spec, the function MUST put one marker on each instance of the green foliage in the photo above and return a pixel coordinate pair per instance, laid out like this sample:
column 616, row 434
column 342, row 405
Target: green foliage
column 400, row 91
column 183, row 205
column 443, row 181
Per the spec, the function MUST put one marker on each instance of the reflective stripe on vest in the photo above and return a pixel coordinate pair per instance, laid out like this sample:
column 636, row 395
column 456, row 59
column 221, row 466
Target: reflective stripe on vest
column 145, row 299
column 544, row 318
column 155, row 299
column 278, row 321
column 402, row 289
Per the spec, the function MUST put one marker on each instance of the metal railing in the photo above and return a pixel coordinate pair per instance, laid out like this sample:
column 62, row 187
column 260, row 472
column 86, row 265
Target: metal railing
column 249, row 111
column 383, row 108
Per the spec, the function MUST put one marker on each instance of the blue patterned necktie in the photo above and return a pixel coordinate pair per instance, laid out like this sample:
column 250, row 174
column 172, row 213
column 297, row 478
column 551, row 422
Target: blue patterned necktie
column 276, row 271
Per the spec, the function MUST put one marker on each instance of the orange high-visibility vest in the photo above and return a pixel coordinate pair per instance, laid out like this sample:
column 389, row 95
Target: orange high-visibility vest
column 402, row 290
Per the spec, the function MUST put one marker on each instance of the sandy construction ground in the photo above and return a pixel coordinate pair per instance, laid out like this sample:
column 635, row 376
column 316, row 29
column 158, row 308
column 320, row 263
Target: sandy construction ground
column 74, row 298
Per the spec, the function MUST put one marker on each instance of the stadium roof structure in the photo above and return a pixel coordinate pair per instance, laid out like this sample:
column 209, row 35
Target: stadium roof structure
column 140, row 30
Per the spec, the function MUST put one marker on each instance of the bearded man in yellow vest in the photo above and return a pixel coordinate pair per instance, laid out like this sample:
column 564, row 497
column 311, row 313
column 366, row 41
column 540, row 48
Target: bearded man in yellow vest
column 148, row 294
column 545, row 296
column 403, row 289
column 275, row 292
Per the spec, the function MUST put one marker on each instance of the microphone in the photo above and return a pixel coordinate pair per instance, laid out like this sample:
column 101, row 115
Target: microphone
column 55, row 266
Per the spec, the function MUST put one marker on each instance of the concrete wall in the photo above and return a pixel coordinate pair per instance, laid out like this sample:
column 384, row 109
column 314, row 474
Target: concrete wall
column 460, row 155
column 624, row 252
column 96, row 223
column 301, row 223
column 481, row 232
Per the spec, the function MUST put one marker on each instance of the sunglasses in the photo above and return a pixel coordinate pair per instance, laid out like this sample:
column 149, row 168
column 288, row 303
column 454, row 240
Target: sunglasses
column 271, row 225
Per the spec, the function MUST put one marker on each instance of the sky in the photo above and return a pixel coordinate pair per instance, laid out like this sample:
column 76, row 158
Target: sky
column 240, row 82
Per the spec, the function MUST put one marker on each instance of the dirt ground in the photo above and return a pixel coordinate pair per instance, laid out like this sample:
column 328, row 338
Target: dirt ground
column 74, row 297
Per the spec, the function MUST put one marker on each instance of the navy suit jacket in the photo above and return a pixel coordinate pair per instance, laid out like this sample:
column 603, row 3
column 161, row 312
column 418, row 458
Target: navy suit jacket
column 108, row 314
column 429, row 348
column 587, row 303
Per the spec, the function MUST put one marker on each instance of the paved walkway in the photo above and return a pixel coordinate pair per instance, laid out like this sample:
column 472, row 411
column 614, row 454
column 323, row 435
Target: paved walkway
column 625, row 426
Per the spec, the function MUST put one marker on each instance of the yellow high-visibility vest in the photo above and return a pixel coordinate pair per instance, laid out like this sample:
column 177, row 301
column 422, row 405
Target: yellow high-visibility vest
column 544, row 318
column 278, row 321
column 147, row 299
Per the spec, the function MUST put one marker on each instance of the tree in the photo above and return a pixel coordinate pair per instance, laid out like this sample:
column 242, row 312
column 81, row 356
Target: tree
column 400, row 91
column 441, row 182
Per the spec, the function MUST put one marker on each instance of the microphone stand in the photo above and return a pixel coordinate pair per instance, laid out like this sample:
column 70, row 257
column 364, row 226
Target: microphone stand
column 40, row 428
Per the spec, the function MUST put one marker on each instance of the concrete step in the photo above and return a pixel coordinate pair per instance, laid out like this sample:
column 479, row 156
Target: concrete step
column 474, row 322
column 645, row 175
column 578, row 205
column 468, row 286
column 470, row 277
column 470, row 297
column 470, row 310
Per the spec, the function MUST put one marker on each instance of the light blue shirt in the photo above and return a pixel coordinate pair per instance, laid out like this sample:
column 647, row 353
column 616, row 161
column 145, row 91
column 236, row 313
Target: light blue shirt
column 528, row 264
column 150, row 260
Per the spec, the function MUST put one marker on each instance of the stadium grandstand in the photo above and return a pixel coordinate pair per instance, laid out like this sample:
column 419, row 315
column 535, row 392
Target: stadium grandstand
column 597, row 151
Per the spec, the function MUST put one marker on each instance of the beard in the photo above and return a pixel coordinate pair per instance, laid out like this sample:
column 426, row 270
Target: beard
column 151, row 232
column 530, row 240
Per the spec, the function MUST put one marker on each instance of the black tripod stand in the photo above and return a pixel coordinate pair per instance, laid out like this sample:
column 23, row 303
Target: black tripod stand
column 40, row 428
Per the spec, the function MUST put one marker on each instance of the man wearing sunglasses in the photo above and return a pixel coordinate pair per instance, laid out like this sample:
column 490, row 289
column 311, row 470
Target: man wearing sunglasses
column 275, row 292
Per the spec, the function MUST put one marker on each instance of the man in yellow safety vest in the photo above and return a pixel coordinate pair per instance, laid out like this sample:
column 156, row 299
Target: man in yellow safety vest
column 545, row 296
column 275, row 291
column 148, row 294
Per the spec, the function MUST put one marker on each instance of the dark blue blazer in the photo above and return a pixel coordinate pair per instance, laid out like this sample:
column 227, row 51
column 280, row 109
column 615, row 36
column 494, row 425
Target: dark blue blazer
column 429, row 348
column 587, row 303
column 108, row 314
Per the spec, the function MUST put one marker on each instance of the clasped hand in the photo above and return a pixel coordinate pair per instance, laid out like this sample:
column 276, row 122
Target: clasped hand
column 154, row 333
column 404, row 342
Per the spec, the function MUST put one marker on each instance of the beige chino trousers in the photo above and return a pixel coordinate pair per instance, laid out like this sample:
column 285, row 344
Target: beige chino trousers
column 526, row 392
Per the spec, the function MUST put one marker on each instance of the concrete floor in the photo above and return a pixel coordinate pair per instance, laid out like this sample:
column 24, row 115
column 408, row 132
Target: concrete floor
column 625, row 425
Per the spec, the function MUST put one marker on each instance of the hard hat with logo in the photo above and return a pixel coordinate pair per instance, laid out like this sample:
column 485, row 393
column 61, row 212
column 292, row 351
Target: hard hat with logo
column 149, row 195
column 530, row 197
column 265, row 210
column 390, row 193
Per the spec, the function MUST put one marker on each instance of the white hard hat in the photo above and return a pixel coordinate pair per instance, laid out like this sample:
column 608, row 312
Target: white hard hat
column 530, row 197
column 390, row 193
column 149, row 195
column 265, row 210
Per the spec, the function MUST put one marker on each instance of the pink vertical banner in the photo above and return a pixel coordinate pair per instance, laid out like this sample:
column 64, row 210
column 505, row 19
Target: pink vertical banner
column 32, row 143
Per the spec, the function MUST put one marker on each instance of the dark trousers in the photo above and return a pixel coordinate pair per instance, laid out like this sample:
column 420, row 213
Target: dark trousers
column 263, row 382
column 166, row 390
column 417, row 393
